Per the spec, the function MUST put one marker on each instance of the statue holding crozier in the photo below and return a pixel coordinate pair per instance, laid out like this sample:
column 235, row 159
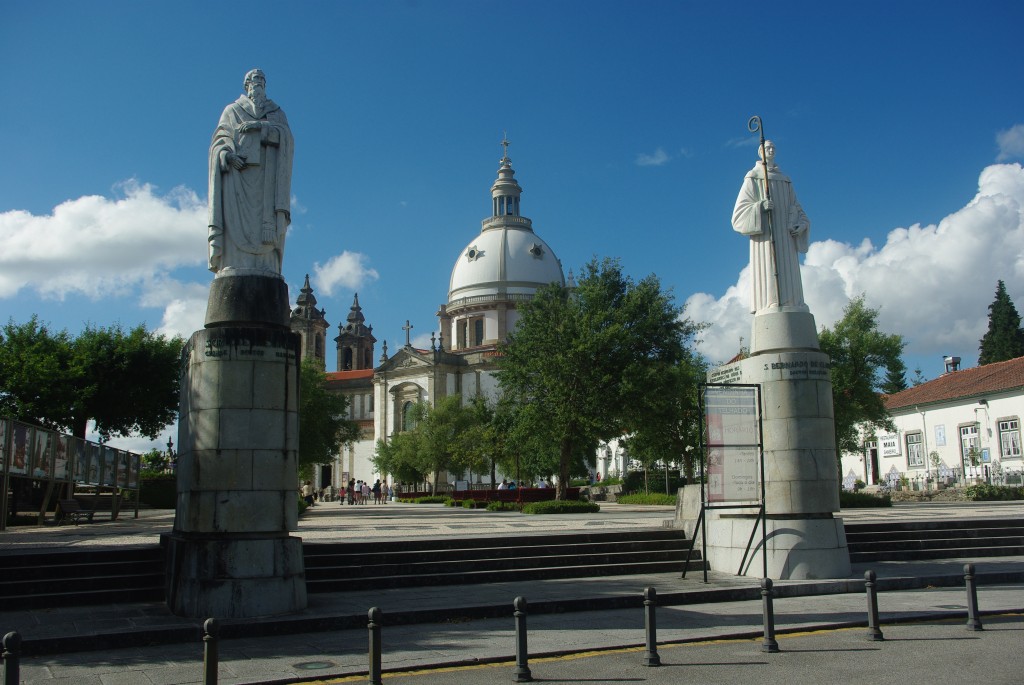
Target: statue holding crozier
column 768, row 212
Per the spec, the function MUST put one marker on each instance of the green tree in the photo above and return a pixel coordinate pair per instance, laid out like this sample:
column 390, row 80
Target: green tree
column 591, row 363
column 895, row 378
column 127, row 382
column 445, row 437
column 400, row 457
column 861, row 355
column 323, row 426
column 442, row 438
column 1005, row 337
column 674, row 424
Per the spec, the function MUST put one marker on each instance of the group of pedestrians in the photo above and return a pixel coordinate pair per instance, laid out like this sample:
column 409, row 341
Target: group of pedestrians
column 356, row 492
column 361, row 492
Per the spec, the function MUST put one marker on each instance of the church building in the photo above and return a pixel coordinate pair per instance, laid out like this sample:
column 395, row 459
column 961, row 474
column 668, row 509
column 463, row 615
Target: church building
column 498, row 270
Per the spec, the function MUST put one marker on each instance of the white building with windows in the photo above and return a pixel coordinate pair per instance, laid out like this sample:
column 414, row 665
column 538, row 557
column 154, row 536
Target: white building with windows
column 963, row 425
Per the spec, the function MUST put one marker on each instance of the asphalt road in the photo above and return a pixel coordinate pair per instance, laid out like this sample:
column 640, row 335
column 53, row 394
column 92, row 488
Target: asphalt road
column 911, row 654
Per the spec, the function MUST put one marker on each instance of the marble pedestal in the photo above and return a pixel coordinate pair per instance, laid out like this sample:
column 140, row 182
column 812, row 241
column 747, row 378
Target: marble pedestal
column 230, row 554
column 804, row 540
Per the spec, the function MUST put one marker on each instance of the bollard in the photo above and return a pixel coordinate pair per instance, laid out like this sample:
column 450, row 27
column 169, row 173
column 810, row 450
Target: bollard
column 871, row 589
column 521, row 673
column 210, row 657
column 373, row 626
column 770, row 644
column 12, row 656
column 651, row 657
column 973, row 620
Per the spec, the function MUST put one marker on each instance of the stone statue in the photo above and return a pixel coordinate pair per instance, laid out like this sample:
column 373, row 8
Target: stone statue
column 774, row 243
column 250, row 184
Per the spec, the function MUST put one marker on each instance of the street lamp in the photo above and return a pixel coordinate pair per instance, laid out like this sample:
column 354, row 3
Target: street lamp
column 170, row 453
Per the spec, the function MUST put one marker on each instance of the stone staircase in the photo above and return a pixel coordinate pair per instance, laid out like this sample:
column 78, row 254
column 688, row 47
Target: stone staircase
column 38, row 580
column 917, row 540
column 41, row 579
column 451, row 561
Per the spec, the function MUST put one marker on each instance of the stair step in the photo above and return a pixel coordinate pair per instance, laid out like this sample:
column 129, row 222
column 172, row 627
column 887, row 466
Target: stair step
column 477, row 577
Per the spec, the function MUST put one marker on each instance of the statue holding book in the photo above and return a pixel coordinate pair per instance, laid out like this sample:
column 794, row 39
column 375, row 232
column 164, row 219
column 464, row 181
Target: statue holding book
column 250, row 166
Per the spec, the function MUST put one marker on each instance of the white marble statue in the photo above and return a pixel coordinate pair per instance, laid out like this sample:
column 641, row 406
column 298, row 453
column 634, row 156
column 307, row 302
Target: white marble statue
column 775, row 273
column 250, row 184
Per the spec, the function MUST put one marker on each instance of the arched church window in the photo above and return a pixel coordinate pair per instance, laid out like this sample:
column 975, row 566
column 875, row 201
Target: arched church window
column 478, row 332
column 318, row 346
column 347, row 359
column 408, row 420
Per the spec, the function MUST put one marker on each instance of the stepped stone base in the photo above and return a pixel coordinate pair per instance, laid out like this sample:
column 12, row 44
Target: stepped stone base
column 798, row 548
column 232, row 577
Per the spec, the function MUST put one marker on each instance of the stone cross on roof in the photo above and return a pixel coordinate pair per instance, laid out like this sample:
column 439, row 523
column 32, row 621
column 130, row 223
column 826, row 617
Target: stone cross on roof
column 408, row 329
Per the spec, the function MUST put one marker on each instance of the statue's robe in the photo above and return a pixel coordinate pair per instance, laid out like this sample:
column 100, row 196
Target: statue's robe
column 750, row 219
column 245, row 233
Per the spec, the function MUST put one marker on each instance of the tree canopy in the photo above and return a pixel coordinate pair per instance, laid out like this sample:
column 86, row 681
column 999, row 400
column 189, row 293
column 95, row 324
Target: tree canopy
column 125, row 381
column 673, row 425
column 591, row 363
column 862, row 359
column 1005, row 337
column 442, row 438
column 323, row 426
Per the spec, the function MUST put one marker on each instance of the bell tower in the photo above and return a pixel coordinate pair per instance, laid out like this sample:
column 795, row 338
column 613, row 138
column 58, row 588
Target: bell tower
column 355, row 340
column 310, row 324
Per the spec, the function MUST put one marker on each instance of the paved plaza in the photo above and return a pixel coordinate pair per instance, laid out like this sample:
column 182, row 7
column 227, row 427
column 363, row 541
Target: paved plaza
column 919, row 650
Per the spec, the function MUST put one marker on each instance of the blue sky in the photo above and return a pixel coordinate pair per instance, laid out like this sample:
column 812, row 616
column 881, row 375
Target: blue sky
column 901, row 125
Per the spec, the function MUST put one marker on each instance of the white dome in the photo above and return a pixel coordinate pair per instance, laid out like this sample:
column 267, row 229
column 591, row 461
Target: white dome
column 507, row 258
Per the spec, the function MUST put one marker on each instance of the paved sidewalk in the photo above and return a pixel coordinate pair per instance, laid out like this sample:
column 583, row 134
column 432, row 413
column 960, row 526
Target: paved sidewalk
column 333, row 631
column 335, row 654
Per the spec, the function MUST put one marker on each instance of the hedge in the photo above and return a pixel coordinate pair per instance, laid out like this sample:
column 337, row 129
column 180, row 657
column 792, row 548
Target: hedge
column 658, row 498
column 561, row 507
column 862, row 500
column 983, row 492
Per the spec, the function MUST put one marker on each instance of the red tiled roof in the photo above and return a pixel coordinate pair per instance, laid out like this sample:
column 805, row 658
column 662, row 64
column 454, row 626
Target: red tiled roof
column 997, row 377
column 349, row 375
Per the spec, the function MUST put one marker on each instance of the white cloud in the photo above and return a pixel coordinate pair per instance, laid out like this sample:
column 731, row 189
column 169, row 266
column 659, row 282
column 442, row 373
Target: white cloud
column 657, row 158
column 347, row 270
column 98, row 246
column 932, row 283
column 743, row 141
column 184, row 305
column 1011, row 143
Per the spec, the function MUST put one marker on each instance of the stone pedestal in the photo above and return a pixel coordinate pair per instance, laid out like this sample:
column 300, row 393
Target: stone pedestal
column 804, row 540
column 230, row 554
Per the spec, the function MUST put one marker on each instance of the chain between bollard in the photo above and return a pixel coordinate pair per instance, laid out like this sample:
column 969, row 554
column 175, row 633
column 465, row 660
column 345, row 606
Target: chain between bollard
column 651, row 657
column 871, row 590
column 12, row 658
column 373, row 625
column 521, row 673
column 770, row 644
column 211, row 657
column 973, row 620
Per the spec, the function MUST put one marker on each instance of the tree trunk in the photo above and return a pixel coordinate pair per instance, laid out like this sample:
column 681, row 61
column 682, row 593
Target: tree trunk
column 565, row 454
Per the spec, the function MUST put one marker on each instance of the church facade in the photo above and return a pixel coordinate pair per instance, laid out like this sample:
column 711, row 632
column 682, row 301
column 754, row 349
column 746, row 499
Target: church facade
column 499, row 269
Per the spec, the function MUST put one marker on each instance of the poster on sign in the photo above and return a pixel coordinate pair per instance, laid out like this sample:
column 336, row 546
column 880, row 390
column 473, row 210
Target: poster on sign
column 732, row 418
column 21, row 443
column 62, row 457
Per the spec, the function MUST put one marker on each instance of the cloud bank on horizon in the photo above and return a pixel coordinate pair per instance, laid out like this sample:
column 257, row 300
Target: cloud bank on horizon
column 932, row 284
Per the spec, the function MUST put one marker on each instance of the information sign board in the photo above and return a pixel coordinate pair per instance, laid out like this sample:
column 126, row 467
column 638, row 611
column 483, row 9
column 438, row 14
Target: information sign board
column 733, row 444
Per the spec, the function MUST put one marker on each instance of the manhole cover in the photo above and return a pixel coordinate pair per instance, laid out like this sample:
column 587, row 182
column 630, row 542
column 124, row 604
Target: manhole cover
column 313, row 665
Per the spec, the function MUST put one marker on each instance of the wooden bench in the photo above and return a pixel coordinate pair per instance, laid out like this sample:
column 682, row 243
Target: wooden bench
column 71, row 509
